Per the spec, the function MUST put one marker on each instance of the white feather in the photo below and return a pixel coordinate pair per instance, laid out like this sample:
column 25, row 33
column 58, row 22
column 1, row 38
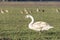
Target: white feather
column 38, row 26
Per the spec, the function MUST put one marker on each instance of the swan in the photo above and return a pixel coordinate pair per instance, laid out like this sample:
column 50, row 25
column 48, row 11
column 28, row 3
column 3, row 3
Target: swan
column 38, row 26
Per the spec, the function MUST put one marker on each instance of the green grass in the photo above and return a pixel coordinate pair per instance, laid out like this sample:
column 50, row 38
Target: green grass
column 14, row 25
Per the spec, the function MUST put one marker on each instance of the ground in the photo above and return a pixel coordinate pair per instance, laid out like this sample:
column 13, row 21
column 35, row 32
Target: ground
column 14, row 25
column 29, row 4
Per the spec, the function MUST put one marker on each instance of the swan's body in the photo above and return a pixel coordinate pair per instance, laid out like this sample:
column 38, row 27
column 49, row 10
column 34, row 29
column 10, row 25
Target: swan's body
column 38, row 26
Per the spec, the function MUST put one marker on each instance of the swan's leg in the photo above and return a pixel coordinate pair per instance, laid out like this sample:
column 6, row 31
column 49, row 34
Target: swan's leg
column 39, row 33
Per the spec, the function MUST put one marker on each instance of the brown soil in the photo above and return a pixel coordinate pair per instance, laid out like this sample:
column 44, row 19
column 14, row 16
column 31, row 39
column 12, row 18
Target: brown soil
column 29, row 4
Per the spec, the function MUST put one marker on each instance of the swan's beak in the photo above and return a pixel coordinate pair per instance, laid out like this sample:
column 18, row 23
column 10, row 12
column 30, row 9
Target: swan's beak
column 26, row 16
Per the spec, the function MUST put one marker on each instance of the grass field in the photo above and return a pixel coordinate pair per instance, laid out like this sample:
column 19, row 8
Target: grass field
column 14, row 25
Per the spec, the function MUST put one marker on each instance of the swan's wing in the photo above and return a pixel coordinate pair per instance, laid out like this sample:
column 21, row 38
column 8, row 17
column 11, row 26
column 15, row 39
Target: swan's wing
column 40, row 24
column 37, row 24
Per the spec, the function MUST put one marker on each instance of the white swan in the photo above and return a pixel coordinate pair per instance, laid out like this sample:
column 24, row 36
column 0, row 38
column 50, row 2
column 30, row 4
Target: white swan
column 38, row 26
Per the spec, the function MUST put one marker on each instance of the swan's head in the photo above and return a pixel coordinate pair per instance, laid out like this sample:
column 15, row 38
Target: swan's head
column 28, row 16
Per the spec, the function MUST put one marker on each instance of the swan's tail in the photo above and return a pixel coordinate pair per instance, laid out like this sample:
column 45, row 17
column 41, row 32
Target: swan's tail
column 47, row 28
column 51, row 27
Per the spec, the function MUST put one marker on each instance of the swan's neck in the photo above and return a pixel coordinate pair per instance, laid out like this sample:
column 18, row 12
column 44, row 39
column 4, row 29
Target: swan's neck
column 31, row 23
